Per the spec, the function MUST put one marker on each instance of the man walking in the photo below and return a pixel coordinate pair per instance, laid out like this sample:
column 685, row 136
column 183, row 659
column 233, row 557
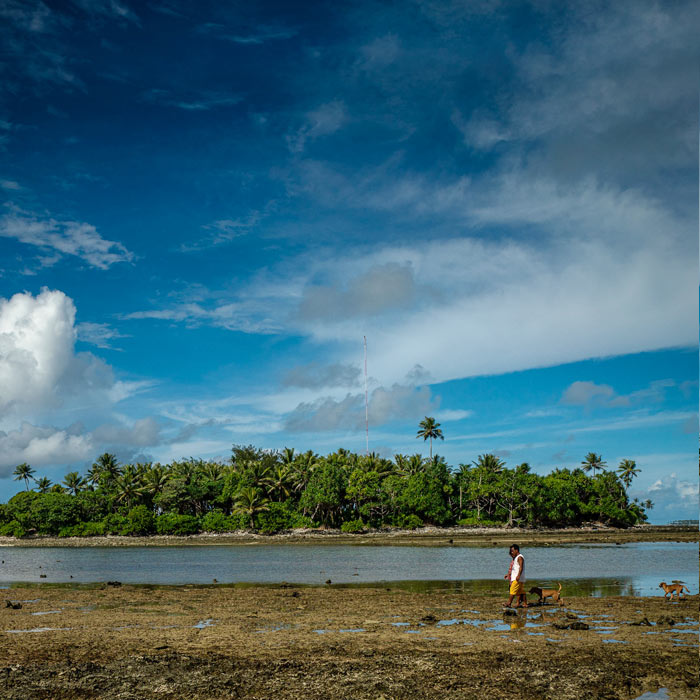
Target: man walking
column 516, row 573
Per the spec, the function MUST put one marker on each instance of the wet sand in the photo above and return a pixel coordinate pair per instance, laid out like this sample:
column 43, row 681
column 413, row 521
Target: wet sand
column 332, row 642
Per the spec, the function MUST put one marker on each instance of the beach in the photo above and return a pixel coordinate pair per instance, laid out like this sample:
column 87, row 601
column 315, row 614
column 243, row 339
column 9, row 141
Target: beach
column 284, row 641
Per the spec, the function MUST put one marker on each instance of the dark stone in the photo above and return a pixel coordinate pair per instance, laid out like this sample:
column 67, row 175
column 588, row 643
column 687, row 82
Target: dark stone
column 665, row 620
column 644, row 622
column 578, row 625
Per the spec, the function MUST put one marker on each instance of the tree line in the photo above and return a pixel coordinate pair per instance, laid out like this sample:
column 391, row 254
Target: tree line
column 272, row 491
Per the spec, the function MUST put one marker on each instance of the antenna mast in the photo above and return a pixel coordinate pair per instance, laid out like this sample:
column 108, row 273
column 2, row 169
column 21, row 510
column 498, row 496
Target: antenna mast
column 364, row 339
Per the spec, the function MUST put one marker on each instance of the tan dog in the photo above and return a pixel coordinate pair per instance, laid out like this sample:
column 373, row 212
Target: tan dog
column 676, row 587
column 544, row 593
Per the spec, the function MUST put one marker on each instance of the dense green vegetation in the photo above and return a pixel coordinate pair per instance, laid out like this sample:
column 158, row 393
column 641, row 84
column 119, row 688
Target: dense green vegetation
column 274, row 491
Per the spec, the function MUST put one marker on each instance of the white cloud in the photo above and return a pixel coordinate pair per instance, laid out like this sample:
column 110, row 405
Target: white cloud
column 141, row 433
column 448, row 415
column 673, row 498
column 41, row 446
column 64, row 238
column 98, row 334
column 348, row 414
column 583, row 393
column 38, row 366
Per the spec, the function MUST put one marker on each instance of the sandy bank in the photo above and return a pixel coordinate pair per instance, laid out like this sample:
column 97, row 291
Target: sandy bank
column 430, row 536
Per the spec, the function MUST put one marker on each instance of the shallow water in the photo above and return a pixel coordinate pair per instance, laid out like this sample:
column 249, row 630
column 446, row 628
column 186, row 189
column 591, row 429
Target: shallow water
column 589, row 569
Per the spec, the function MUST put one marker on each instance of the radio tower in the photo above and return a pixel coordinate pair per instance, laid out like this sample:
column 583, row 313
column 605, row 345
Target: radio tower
column 364, row 339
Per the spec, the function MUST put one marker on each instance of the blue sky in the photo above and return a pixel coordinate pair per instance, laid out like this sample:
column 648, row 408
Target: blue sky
column 206, row 206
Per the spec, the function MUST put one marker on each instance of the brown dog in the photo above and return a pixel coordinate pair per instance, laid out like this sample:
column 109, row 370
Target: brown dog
column 675, row 588
column 543, row 593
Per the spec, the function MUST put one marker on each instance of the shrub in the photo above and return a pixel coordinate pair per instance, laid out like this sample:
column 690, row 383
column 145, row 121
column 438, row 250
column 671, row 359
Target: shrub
column 281, row 516
column 12, row 529
column 409, row 522
column 353, row 526
column 174, row 524
column 218, row 521
column 140, row 521
column 114, row 524
column 473, row 521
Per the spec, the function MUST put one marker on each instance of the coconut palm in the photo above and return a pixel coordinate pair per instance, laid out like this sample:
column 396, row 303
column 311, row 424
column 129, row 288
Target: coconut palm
column 154, row 480
column 44, row 484
column 129, row 486
column 23, row 471
column 490, row 463
column 250, row 502
column 628, row 470
column 281, row 481
column 106, row 466
column 74, row 482
column 213, row 471
column 408, row 466
column 428, row 429
column 287, row 455
column 648, row 504
column 594, row 462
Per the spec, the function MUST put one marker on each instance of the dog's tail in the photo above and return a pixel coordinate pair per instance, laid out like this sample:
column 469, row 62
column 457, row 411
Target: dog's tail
column 686, row 588
column 559, row 587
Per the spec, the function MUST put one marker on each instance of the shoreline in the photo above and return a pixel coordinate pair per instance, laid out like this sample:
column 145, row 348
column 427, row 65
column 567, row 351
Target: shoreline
column 428, row 536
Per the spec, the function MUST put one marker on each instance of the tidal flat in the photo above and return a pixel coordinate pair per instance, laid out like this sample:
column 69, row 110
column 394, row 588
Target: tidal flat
column 285, row 641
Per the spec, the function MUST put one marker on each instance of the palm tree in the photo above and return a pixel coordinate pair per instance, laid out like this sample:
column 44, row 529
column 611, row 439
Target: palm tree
column 128, row 485
column 594, row 462
column 213, row 471
column 408, row 466
column 428, row 429
column 154, row 480
column 490, row 463
column 287, row 455
column 627, row 471
column 44, row 484
column 648, row 504
column 280, row 481
column 23, row 471
column 251, row 502
column 107, row 465
column 74, row 482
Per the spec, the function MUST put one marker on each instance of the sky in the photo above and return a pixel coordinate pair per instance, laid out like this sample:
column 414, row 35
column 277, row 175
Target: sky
column 206, row 207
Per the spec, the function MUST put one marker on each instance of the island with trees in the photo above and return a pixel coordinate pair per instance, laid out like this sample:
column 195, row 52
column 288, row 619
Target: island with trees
column 274, row 491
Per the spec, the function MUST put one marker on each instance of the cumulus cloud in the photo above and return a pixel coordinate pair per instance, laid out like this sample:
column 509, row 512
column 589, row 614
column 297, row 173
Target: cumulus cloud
column 673, row 497
column 63, row 238
column 143, row 433
column 38, row 366
column 41, row 446
column 583, row 393
column 384, row 405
